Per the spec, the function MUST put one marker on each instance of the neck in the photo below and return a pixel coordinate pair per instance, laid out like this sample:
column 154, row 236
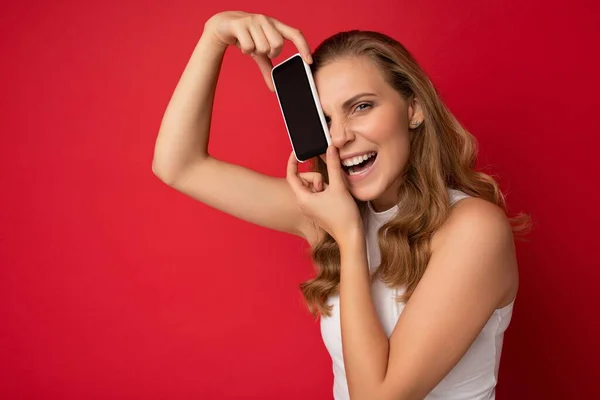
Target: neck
column 388, row 199
column 384, row 202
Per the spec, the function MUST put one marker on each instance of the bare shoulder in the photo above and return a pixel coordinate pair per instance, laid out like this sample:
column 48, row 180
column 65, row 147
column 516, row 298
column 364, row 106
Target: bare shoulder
column 475, row 225
column 478, row 214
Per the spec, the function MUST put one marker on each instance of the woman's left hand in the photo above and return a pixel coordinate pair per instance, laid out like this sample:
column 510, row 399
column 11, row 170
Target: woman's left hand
column 330, row 206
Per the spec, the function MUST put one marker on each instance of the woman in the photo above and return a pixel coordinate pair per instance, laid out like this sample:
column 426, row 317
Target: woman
column 398, row 221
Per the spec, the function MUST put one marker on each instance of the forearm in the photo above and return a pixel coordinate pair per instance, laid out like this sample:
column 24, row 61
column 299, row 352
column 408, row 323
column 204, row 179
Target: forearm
column 184, row 130
column 365, row 344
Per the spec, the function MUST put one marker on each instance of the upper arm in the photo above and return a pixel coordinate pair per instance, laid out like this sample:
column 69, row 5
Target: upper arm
column 468, row 274
column 246, row 194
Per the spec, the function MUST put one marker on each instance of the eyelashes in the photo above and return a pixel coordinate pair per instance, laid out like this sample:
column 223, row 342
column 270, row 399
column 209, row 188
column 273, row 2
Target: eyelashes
column 362, row 104
column 365, row 106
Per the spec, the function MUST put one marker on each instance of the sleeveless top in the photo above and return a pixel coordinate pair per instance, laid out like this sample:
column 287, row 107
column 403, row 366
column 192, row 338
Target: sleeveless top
column 476, row 374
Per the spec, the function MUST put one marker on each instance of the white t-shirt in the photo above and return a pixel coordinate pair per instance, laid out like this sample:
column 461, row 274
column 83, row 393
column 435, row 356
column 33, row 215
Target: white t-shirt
column 476, row 374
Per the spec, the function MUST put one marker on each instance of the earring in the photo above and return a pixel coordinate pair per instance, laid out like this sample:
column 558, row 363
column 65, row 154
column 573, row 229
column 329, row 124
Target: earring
column 415, row 124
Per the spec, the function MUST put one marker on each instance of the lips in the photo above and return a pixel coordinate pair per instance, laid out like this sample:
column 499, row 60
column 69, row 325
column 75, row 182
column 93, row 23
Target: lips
column 357, row 158
column 362, row 170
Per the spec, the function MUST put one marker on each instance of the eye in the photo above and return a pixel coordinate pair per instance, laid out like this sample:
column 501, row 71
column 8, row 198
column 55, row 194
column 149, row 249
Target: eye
column 328, row 120
column 362, row 106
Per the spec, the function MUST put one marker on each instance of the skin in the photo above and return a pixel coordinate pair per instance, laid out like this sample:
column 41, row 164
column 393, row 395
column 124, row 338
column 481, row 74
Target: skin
column 377, row 122
column 472, row 270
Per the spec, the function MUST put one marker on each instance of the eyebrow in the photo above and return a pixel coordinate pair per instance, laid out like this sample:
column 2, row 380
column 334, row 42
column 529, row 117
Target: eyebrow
column 352, row 99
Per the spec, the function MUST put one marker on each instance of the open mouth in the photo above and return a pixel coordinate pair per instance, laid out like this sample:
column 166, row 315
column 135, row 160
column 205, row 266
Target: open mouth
column 359, row 164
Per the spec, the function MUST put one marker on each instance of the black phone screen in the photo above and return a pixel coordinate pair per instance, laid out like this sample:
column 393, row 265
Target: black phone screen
column 299, row 109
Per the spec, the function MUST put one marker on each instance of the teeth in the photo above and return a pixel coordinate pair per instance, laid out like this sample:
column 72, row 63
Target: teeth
column 358, row 159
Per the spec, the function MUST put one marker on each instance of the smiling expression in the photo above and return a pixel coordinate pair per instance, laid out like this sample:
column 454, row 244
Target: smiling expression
column 369, row 123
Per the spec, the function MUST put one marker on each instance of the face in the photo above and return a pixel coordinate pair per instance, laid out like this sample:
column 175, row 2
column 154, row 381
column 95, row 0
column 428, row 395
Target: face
column 369, row 124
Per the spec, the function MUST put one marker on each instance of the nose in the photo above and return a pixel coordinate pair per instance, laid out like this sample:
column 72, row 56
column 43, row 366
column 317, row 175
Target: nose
column 340, row 134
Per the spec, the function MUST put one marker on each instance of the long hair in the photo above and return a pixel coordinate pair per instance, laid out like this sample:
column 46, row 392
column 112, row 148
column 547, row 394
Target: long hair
column 442, row 155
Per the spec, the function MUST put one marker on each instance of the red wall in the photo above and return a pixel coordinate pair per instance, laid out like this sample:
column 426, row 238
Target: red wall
column 114, row 286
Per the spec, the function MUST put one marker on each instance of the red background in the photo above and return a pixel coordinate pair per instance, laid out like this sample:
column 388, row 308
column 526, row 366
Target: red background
column 114, row 286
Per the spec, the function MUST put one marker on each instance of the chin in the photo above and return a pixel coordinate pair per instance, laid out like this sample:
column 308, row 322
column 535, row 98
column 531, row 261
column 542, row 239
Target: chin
column 365, row 193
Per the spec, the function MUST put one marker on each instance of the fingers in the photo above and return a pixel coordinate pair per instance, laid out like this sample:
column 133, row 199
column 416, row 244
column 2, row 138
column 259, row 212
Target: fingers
column 305, row 182
column 265, row 65
column 262, row 47
column 268, row 43
column 263, row 37
column 259, row 34
column 334, row 167
column 293, row 177
column 275, row 39
column 244, row 40
column 296, row 37
column 313, row 181
column 261, row 44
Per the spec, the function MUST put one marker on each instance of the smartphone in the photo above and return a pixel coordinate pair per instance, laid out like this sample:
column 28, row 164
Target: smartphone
column 301, row 109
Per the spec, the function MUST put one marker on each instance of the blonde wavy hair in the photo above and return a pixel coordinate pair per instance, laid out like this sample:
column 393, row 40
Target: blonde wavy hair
column 442, row 155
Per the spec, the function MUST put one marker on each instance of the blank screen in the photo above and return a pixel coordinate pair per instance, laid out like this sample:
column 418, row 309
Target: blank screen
column 299, row 109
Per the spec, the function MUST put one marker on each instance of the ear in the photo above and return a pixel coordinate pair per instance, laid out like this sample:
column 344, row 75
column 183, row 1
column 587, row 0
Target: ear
column 415, row 111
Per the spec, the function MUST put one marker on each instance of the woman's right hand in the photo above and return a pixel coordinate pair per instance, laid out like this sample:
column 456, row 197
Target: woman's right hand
column 258, row 35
